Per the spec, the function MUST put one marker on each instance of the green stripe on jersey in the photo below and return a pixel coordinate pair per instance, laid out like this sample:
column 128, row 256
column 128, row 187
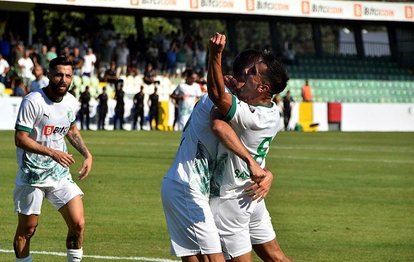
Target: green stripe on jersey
column 23, row 128
column 232, row 110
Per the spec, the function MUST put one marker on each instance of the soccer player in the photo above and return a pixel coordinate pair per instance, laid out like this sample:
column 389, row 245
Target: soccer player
column 44, row 119
column 186, row 186
column 241, row 220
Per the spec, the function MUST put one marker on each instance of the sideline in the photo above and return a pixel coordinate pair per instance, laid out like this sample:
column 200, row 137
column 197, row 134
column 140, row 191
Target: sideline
column 61, row 254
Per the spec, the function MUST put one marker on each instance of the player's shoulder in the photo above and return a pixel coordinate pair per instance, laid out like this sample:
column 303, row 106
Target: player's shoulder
column 34, row 95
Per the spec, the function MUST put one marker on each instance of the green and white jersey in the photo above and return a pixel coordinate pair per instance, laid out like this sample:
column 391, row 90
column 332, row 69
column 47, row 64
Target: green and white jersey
column 195, row 157
column 48, row 123
column 256, row 127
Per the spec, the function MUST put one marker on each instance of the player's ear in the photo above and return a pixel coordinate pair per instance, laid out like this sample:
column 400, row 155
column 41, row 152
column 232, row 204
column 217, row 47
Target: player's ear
column 263, row 88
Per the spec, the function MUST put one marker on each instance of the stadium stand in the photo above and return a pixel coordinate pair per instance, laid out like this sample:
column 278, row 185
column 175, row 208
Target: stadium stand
column 352, row 80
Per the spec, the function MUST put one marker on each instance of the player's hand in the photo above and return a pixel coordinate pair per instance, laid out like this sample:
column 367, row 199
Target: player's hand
column 217, row 43
column 85, row 169
column 260, row 189
column 62, row 158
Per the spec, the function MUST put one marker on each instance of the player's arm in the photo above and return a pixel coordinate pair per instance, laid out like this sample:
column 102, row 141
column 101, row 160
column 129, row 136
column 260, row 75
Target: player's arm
column 215, row 81
column 262, row 178
column 24, row 141
column 76, row 141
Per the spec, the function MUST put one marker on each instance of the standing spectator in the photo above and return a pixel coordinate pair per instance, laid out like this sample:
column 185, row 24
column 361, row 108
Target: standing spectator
column 306, row 92
column 289, row 55
column 153, row 108
column 4, row 69
column 120, row 105
column 186, row 94
column 84, row 99
column 138, row 109
column 51, row 54
column 171, row 60
column 89, row 61
column 44, row 119
column 26, row 67
column 40, row 80
column 122, row 56
column 102, row 108
column 77, row 61
column 287, row 109
column 200, row 57
column 181, row 59
column 106, row 56
column 42, row 57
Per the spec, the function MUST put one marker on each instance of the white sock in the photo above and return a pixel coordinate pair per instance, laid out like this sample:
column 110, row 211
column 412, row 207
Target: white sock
column 26, row 259
column 75, row 255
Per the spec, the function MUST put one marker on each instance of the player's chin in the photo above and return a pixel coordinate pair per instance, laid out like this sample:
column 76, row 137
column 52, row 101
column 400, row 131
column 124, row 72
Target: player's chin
column 62, row 90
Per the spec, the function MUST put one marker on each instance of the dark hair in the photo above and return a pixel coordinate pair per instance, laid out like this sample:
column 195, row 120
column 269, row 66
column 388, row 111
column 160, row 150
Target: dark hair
column 188, row 72
column 60, row 60
column 244, row 59
column 276, row 73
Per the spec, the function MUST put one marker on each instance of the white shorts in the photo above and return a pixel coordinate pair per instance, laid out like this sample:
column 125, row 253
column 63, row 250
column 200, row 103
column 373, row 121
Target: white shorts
column 189, row 220
column 28, row 199
column 241, row 224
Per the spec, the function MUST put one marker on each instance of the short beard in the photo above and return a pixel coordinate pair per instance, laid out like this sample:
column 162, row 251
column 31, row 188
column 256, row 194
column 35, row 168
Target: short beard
column 55, row 89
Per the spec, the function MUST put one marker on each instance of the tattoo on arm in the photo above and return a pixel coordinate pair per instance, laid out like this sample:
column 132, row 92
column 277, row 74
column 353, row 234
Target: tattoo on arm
column 77, row 142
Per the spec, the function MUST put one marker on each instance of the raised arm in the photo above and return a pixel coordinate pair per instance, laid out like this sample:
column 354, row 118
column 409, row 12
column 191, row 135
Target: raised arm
column 215, row 82
column 76, row 141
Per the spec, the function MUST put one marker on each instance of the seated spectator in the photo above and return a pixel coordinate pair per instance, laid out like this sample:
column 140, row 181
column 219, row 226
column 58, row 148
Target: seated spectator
column 149, row 75
column 110, row 74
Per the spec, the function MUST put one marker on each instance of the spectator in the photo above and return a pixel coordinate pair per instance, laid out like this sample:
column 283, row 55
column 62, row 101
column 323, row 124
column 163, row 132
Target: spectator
column 51, row 54
column 122, row 56
column 26, row 67
column 306, row 92
column 110, row 74
column 150, row 74
column 89, row 61
column 40, row 80
column 19, row 88
column 77, row 61
column 289, row 55
column 4, row 69
column 186, row 94
column 171, row 60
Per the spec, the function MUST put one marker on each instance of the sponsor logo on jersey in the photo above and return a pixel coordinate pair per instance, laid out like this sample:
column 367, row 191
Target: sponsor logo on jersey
column 49, row 130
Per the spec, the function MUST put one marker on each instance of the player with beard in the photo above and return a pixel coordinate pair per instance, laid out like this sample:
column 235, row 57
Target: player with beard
column 44, row 119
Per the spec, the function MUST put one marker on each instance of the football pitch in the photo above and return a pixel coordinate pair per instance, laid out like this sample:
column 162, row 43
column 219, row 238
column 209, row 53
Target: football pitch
column 337, row 197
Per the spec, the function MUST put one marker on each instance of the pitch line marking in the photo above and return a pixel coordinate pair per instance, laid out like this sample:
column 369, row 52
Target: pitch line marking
column 61, row 254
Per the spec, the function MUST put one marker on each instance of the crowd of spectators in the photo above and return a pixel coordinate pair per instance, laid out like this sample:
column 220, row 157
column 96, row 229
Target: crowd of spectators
column 104, row 54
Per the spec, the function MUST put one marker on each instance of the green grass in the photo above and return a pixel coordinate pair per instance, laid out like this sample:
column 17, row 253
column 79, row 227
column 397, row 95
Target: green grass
column 337, row 196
